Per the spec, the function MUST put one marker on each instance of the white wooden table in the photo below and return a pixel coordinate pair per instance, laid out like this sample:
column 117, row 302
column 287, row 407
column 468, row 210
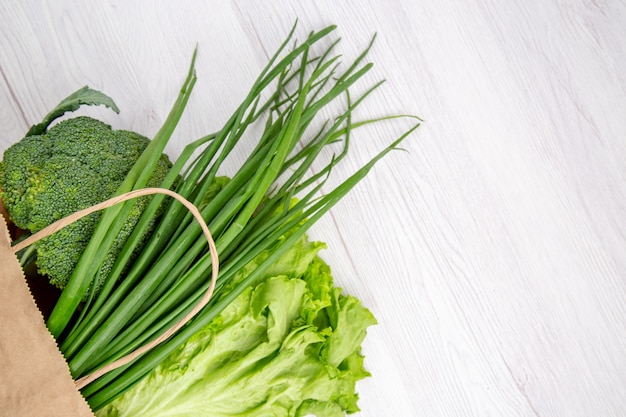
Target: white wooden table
column 493, row 253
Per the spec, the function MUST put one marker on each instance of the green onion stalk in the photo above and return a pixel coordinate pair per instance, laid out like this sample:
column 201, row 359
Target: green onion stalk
column 267, row 205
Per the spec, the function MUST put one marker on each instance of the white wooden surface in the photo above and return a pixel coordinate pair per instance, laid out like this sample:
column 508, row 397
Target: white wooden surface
column 493, row 253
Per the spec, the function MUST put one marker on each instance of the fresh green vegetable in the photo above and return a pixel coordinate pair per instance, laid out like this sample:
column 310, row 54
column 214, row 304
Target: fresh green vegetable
column 286, row 346
column 251, row 213
column 75, row 164
column 113, row 220
column 257, row 217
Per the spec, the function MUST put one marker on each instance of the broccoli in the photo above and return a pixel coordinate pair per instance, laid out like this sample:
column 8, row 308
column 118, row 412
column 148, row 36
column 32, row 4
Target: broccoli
column 75, row 164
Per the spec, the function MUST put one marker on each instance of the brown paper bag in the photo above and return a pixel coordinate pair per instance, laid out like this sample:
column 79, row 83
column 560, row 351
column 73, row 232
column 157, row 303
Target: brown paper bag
column 34, row 377
column 35, row 380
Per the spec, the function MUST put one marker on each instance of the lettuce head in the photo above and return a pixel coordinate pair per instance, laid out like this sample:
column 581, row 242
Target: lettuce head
column 288, row 346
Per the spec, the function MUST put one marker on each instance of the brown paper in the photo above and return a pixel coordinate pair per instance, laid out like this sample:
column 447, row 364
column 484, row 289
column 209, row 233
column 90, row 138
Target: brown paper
column 34, row 377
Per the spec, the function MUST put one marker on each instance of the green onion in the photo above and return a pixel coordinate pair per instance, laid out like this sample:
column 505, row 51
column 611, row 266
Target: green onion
column 112, row 219
column 270, row 202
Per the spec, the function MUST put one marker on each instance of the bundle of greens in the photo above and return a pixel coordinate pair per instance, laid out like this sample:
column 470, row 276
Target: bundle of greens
column 276, row 333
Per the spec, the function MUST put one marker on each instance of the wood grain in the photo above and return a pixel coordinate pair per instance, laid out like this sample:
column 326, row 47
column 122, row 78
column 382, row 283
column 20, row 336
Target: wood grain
column 493, row 252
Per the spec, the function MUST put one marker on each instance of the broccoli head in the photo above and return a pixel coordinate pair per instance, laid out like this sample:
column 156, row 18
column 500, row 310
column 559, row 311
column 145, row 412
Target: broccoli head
column 77, row 163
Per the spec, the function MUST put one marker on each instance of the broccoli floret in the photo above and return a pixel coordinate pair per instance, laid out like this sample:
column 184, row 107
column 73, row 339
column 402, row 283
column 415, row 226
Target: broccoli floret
column 77, row 163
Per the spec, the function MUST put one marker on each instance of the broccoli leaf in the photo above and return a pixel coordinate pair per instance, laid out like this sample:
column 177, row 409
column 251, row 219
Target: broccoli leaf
column 84, row 96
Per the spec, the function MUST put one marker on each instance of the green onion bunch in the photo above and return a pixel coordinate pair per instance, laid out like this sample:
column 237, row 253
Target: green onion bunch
column 267, row 205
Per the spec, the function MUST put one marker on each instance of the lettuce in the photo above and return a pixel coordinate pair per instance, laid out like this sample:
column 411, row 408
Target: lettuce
column 287, row 346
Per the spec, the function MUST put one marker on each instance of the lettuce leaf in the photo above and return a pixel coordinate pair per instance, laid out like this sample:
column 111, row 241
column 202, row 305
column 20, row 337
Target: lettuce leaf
column 288, row 346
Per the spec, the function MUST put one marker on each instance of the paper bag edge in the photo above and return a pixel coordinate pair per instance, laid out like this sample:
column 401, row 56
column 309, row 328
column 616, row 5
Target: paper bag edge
column 79, row 399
